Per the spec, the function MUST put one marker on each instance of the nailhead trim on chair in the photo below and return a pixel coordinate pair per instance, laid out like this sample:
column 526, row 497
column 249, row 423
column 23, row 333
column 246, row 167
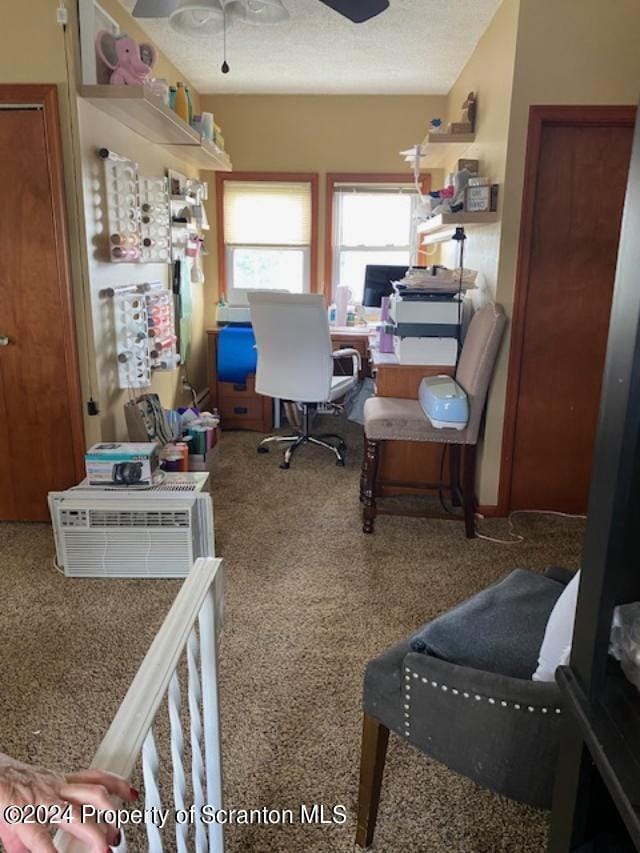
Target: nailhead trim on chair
column 409, row 674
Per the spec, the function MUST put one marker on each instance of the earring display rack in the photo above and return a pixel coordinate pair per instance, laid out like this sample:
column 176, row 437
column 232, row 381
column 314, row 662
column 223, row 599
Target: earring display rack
column 123, row 215
column 154, row 220
column 132, row 340
column 161, row 330
column 145, row 332
column 137, row 212
column 188, row 217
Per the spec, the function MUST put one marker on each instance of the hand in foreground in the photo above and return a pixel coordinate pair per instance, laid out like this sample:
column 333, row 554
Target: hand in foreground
column 64, row 793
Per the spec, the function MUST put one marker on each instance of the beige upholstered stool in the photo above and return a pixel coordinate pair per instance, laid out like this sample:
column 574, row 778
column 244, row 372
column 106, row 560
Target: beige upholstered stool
column 393, row 419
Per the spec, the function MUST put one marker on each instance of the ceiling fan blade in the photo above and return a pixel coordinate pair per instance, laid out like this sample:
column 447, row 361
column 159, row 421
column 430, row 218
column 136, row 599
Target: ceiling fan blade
column 358, row 11
column 154, row 8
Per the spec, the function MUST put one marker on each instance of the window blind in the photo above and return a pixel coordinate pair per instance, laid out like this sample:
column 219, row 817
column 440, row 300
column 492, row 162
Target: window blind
column 262, row 213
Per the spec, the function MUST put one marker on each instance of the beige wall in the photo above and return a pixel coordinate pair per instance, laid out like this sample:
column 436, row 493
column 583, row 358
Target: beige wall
column 95, row 129
column 325, row 133
column 98, row 130
column 45, row 62
column 567, row 52
column 489, row 73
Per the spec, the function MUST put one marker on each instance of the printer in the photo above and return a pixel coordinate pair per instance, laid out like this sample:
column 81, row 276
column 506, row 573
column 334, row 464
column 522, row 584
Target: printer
column 425, row 324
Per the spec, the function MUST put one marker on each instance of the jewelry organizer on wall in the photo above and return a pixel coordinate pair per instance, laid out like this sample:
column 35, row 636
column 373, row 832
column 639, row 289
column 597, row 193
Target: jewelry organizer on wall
column 154, row 220
column 144, row 332
column 161, row 322
column 132, row 339
column 188, row 222
column 137, row 212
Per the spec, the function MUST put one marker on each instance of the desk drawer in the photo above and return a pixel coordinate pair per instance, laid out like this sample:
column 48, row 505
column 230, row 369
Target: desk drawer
column 242, row 408
column 237, row 390
column 349, row 343
column 343, row 366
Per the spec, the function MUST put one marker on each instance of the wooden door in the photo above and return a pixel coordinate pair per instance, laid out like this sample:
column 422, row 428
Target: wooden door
column 42, row 432
column 577, row 167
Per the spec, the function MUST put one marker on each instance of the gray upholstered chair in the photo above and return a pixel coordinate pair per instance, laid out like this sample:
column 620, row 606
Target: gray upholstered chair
column 499, row 730
column 394, row 419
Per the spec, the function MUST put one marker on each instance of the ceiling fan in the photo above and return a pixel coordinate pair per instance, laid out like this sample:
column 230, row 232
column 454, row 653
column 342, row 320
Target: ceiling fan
column 205, row 17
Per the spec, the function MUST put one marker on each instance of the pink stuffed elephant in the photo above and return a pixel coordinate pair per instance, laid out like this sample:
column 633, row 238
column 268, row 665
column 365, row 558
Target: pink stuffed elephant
column 129, row 62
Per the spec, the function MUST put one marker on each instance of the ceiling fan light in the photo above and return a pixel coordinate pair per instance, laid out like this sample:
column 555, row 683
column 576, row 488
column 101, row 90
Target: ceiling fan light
column 259, row 11
column 154, row 8
column 198, row 17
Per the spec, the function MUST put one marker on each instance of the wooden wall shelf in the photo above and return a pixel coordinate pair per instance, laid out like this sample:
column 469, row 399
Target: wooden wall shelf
column 147, row 115
column 441, row 149
column 436, row 228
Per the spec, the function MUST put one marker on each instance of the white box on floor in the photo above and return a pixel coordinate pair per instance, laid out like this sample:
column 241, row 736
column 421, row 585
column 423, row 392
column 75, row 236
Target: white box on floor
column 436, row 351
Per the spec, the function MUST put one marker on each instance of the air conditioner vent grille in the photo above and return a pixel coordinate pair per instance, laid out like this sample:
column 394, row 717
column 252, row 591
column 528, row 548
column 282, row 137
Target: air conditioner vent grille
column 161, row 518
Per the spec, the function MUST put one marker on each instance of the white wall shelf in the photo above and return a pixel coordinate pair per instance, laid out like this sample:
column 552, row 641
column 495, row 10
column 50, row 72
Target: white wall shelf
column 149, row 116
column 437, row 229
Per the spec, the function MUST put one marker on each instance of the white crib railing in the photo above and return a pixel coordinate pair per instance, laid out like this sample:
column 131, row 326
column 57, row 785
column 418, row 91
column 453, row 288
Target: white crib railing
column 190, row 628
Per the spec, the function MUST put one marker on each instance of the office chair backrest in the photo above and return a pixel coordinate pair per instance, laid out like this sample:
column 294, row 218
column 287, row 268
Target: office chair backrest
column 294, row 345
column 477, row 361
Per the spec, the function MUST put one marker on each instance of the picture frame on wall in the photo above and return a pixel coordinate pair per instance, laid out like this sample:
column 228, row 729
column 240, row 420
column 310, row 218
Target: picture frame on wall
column 93, row 18
column 477, row 199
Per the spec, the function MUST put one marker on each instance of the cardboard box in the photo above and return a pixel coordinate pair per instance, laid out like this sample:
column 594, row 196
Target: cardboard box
column 461, row 127
column 118, row 463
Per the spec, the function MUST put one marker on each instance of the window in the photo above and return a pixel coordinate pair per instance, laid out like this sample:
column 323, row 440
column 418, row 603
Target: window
column 372, row 223
column 266, row 233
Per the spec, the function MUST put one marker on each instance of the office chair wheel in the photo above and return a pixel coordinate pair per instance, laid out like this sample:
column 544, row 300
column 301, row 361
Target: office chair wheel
column 263, row 449
column 340, row 462
column 285, row 465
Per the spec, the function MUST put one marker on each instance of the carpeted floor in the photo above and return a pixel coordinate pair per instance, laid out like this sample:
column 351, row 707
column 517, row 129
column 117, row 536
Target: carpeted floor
column 309, row 600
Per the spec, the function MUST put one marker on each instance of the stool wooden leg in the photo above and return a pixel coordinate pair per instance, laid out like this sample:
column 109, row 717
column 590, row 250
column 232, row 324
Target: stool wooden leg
column 372, row 451
column 363, row 471
column 454, row 473
column 375, row 737
column 468, row 489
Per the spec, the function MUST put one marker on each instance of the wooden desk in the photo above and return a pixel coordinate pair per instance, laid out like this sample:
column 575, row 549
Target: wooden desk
column 405, row 461
column 356, row 337
column 239, row 404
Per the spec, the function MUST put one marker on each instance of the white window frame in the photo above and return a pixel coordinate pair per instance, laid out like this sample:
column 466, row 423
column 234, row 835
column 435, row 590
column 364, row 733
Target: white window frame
column 362, row 187
column 238, row 295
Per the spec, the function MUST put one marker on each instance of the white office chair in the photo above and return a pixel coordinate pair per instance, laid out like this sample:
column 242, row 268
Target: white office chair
column 295, row 362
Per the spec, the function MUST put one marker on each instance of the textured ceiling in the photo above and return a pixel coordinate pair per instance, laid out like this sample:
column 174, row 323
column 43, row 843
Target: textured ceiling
column 415, row 47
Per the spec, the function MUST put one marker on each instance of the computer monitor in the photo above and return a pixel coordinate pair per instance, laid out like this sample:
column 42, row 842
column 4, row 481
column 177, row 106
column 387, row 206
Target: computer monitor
column 377, row 282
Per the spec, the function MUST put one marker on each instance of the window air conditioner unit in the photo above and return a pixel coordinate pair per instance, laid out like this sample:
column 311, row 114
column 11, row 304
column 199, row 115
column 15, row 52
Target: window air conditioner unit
column 146, row 534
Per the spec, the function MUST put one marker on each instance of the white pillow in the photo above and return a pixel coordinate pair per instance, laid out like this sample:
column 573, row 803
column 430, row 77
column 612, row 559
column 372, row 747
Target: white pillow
column 556, row 644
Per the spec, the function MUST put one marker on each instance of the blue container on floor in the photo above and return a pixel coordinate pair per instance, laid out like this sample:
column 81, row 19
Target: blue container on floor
column 237, row 354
